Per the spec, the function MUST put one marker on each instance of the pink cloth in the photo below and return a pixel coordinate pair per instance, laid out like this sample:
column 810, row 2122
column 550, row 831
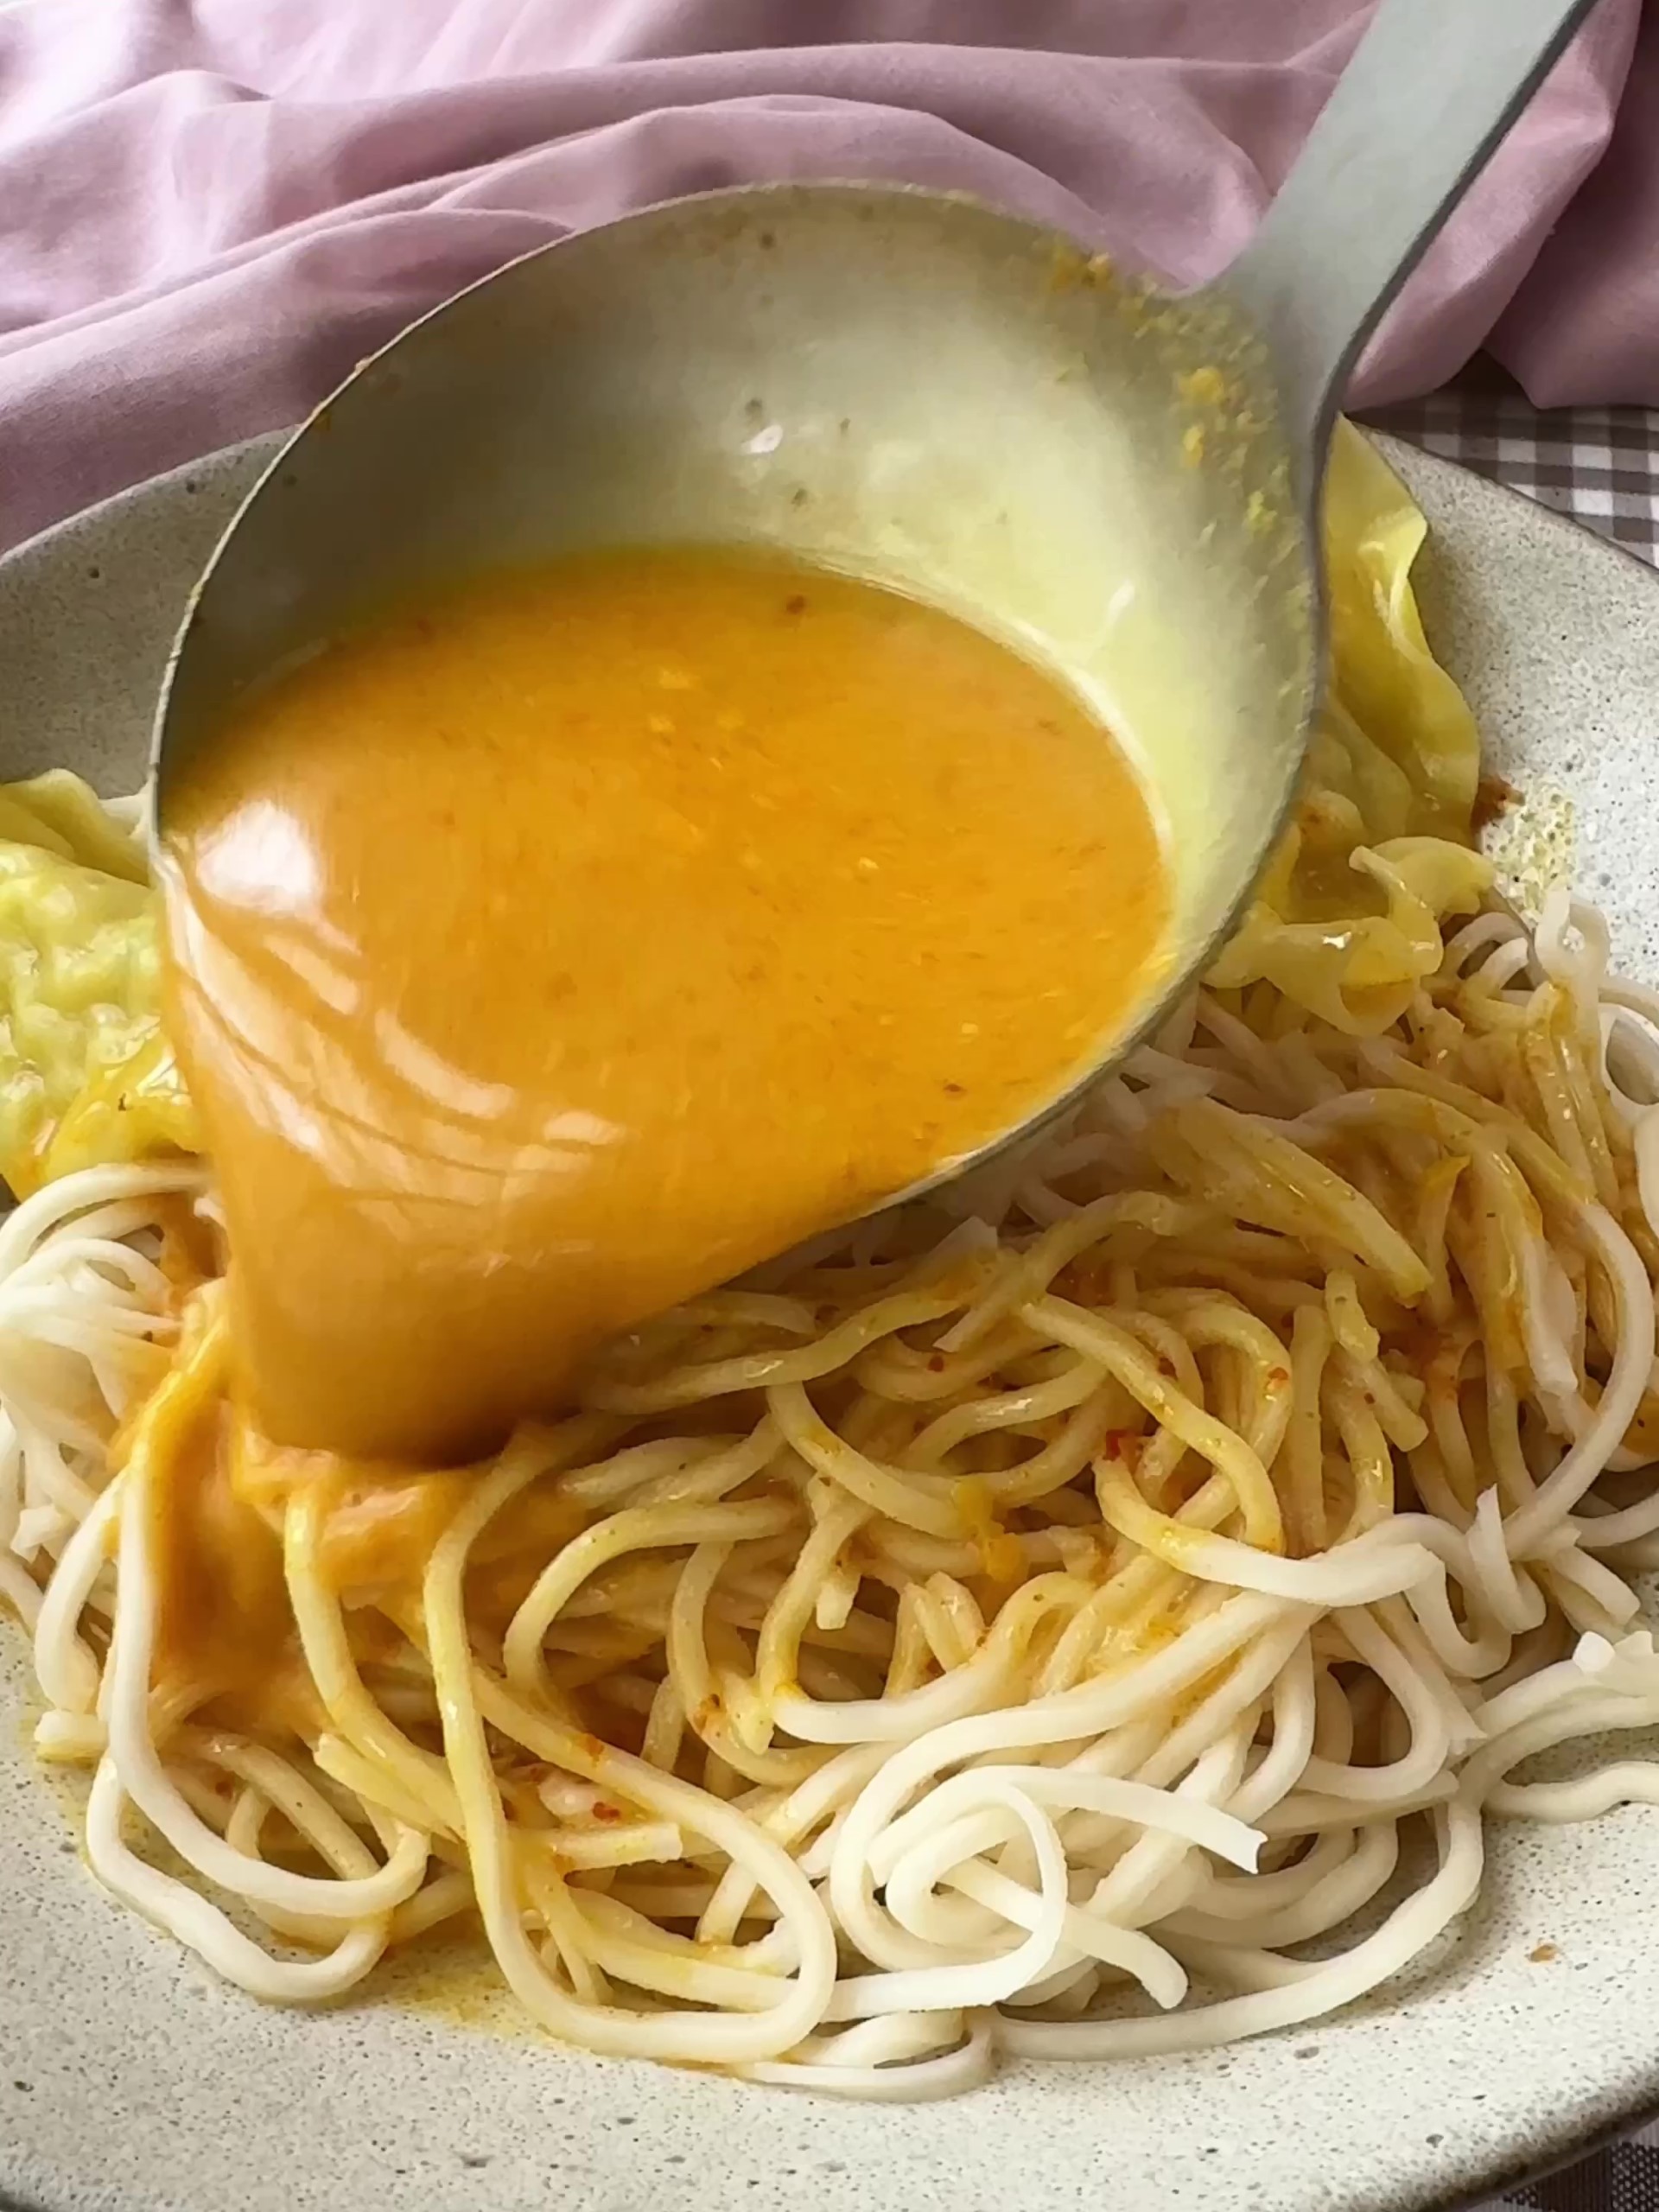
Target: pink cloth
column 209, row 209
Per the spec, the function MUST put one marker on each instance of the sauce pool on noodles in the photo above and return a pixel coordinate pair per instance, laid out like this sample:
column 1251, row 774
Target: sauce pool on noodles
column 552, row 951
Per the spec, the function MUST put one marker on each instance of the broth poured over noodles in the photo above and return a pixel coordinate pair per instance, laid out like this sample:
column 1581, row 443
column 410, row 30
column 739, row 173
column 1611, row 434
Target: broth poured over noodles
column 1032, row 1622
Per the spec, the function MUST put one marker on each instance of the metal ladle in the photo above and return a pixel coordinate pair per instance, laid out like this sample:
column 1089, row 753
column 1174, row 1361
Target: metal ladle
column 939, row 396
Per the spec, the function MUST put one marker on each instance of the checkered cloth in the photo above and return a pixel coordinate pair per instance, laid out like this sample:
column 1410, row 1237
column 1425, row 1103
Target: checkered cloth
column 1600, row 465
column 1623, row 2177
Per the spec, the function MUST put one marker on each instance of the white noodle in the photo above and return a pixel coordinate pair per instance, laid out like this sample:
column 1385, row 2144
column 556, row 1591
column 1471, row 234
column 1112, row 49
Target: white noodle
column 892, row 1815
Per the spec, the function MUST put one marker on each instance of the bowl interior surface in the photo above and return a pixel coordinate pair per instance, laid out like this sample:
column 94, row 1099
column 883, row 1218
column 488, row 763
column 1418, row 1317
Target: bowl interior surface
column 133, row 2083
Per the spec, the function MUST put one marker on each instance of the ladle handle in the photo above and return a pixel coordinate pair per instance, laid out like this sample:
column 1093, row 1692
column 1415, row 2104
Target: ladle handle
column 1430, row 90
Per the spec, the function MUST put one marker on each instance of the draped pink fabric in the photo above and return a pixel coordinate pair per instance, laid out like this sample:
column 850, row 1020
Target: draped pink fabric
column 209, row 209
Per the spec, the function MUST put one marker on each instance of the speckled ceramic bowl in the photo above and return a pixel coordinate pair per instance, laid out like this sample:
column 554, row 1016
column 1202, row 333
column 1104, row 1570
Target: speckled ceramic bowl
column 130, row 2080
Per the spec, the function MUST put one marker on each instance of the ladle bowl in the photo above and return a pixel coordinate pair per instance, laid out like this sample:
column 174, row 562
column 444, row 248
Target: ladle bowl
column 926, row 392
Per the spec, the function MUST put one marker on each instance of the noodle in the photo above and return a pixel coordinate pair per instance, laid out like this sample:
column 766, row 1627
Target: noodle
column 1015, row 1625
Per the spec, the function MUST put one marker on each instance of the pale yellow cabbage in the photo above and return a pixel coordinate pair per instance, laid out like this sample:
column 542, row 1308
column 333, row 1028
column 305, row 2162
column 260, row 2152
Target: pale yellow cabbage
column 1345, row 923
column 1345, row 920
column 1385, row 679
column 85, row 1075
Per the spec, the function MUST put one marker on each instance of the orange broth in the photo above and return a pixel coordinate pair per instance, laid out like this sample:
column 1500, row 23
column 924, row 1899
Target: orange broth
column 552, row 951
